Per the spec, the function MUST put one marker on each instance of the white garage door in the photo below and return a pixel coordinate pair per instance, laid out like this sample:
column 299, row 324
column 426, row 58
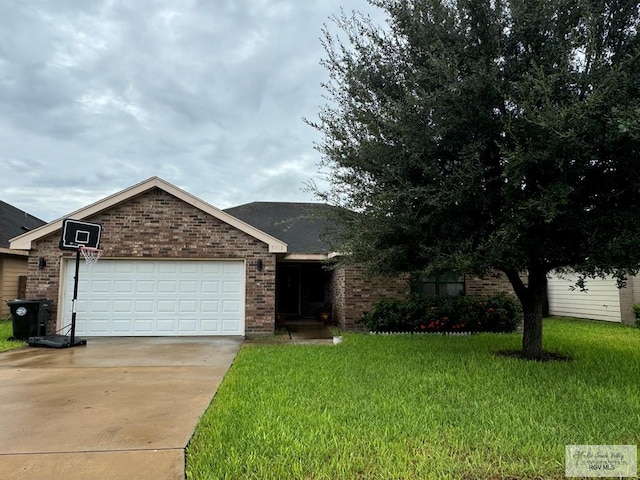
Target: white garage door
column 156, row 298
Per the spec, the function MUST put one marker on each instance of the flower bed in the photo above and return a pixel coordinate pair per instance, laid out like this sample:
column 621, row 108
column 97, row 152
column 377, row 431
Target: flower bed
column 498, row 313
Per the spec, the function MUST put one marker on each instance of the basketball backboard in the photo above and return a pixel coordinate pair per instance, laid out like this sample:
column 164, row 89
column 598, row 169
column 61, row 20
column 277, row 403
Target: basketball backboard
column 77, row 233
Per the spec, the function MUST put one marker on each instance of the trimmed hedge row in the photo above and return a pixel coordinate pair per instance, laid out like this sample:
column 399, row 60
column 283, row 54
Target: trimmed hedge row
column 498, row 313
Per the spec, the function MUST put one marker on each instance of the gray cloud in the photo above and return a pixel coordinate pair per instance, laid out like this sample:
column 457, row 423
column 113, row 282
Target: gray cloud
column 96, row 96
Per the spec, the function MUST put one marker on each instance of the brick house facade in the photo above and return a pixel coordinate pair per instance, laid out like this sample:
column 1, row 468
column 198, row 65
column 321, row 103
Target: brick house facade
column 155, row 221
column 159, row 225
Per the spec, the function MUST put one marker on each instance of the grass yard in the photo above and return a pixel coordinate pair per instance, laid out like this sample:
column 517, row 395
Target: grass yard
column 6, row 331
column 420, row 407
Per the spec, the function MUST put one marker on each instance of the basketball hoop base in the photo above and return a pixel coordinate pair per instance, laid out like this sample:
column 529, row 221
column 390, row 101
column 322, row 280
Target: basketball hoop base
column 56, row 341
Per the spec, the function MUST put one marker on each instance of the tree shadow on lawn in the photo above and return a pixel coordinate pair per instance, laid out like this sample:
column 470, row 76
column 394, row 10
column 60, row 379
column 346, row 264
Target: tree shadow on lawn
column 546, row 356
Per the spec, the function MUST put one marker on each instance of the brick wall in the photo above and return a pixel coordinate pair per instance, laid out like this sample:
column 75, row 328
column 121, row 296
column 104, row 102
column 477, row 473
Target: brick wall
column 490, row 285
column 354, row 292
column 159, row 225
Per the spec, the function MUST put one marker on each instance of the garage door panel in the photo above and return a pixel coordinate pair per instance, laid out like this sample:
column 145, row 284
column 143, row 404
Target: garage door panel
column 189, row 268
column 121, row 326
column 101, row 269
column 145, row 267
column 166, row 326
column 122, row 286
column 120, row 267
column 210, row 326
column 210, row 286
column 210, row 306
column 188, row 306
column 97, row 326
column 231, row 286
column 229, row 306
column 122, row 306
column 190, row 286
column 188, row 326
column 168, row 306
column 101, row 286
column 212, row 269
column 168, row 267
column 168, row 286
column 144, row 306
column 144, row 286
column 100, row 306
column 229, row 325
column 136, row 298
column 144, row 326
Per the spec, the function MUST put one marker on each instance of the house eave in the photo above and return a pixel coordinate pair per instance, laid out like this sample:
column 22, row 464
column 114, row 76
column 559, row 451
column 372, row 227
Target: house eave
column 8, row 251
column 305, row 257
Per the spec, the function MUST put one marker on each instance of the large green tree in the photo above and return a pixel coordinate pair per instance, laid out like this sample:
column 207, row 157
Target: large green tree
column 487, row 136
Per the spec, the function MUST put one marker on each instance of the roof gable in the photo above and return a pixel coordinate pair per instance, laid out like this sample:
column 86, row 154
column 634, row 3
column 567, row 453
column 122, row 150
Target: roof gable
column 24, row 241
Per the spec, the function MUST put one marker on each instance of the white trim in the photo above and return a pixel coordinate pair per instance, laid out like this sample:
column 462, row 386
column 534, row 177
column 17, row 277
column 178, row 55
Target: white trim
column 302, row 257
column 8, row 251
column 25, row 241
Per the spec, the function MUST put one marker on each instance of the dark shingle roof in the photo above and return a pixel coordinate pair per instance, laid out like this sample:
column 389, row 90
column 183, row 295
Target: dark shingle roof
column 302, row 226
column 14, row 222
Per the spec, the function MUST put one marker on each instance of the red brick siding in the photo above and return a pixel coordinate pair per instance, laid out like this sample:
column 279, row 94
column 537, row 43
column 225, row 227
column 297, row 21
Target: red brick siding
column 159, row 225
column 490, row 285
column 354, row 292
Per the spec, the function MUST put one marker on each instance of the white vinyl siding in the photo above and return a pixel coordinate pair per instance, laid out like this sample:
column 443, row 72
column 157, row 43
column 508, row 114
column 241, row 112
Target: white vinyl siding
column 600, row 302
column 156, row 298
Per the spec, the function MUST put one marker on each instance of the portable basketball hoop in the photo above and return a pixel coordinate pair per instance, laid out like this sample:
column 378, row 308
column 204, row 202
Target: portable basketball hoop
column 83, row 238
column 91, row 255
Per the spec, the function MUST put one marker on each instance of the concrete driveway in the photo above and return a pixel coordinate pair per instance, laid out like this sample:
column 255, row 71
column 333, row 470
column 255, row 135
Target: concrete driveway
column 117, row 408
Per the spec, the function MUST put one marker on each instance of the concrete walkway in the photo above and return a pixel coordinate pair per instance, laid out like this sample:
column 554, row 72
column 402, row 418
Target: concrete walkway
column 305, row 332
column 117, row 408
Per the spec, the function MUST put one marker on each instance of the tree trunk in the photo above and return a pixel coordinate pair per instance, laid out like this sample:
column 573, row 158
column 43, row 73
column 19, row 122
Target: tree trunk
column 532, row 298
column 532, row 332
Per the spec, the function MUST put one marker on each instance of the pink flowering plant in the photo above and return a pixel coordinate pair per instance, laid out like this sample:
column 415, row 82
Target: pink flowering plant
column 499, row 313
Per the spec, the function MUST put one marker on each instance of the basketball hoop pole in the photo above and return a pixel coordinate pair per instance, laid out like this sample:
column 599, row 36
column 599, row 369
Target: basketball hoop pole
column 75, row 298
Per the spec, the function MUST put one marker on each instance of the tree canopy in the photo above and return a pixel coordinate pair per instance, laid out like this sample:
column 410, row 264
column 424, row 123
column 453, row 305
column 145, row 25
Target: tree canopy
column 487, row 135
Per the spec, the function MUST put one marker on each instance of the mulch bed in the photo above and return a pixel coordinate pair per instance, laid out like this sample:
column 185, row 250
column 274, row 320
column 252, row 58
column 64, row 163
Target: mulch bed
column 546, row 356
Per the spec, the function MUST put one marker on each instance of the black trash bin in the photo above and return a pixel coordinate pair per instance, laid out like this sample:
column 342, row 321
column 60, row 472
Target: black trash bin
column 29, row 317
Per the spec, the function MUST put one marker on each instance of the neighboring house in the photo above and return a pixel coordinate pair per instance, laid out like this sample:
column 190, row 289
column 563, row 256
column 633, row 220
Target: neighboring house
column 176, row 265
column 13, row 263
column 602, row 300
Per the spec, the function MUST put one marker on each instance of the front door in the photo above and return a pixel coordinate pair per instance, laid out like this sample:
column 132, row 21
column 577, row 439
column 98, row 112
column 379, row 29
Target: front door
column 288, row 289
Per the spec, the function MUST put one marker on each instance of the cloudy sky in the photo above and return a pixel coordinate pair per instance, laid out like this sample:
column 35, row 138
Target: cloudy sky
column 209, row 95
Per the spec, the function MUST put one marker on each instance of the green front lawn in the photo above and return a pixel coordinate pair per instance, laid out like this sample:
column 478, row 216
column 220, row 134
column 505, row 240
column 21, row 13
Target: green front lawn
column 6, row 331
column 420, row 407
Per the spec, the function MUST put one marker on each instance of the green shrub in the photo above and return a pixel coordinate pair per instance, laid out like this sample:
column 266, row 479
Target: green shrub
column 498, row 313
